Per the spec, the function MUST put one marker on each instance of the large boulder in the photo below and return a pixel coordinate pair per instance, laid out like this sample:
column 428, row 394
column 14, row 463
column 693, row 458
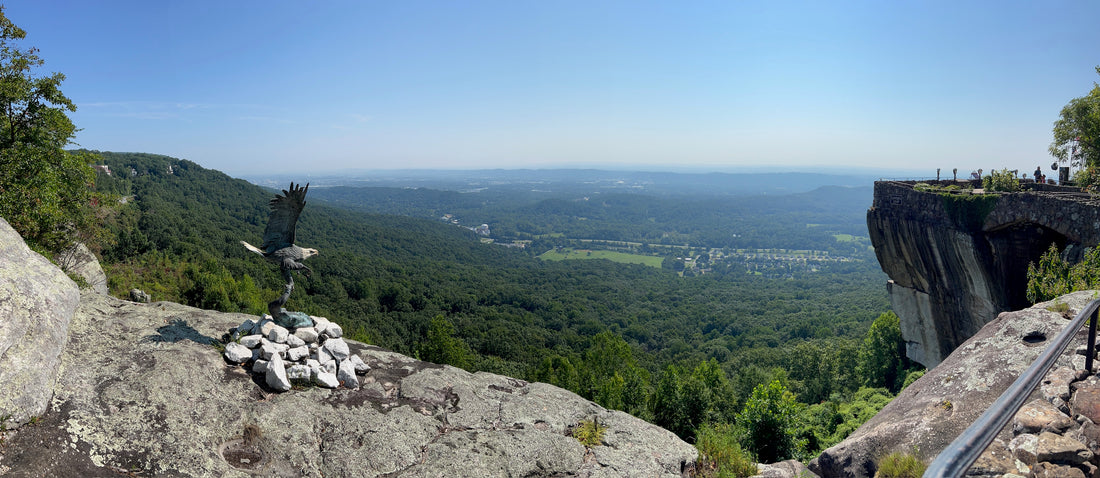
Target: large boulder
column 144, row 392
column 934, row 410
column 80, row 261
column 37, row 301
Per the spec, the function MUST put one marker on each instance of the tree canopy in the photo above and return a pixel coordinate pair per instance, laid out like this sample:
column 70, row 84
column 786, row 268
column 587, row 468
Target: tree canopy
column 1077, row 131
column 45, row 191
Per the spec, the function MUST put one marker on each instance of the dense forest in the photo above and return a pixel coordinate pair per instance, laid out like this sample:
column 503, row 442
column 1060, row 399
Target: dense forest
column 693, row 354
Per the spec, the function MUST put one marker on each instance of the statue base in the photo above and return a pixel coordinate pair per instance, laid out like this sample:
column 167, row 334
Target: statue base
column 292, row 320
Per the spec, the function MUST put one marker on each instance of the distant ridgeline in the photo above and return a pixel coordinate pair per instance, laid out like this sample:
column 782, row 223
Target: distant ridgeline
column 958, row 256
column 638, row 338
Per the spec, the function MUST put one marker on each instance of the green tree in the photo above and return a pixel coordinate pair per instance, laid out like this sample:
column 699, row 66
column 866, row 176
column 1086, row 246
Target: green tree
column 1077, row 130
column 1048, row 279
column 882, row 360
column 45, row 191
column 769, row 423
column 611, row 376
column 668, row 404
column 443, row 347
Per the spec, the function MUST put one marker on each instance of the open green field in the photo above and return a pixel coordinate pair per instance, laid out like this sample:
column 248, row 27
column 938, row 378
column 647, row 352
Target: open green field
column 653, row 261
column 844, row 237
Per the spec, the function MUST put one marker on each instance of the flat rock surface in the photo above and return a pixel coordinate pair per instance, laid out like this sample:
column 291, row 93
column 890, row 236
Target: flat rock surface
column 142, row 391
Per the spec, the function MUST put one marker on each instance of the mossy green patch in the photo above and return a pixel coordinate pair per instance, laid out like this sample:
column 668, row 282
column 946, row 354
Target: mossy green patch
column 968, row 211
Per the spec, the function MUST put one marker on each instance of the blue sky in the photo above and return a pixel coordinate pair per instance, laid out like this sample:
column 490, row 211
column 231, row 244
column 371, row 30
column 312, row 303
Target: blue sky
column 245, row 86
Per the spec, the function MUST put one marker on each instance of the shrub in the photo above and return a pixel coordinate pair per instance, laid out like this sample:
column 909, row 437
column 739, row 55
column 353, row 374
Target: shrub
column 1002, row 180
column 1054, row 277
column 1060, row 307
column 589, row 432
column 900, row 465
column 1087, row 179
column 720, row 455
column 912, row 377
column 769, row 422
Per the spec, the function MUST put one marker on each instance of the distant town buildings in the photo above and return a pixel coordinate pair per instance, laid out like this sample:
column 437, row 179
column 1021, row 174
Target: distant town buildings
column 102, row 167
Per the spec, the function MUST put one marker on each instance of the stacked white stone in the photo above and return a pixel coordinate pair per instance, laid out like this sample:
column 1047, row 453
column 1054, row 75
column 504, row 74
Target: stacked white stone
column 315, row 354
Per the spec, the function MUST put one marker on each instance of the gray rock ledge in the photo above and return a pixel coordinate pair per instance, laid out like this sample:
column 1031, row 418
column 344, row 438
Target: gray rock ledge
column 142, row 391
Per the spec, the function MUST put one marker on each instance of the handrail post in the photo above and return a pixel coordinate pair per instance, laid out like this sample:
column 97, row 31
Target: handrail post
column 1090, row 348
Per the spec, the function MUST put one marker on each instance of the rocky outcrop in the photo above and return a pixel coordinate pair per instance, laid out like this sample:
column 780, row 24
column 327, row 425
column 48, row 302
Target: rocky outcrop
column 145, row 390
column 37, row 301
column 934, row 410
column 957, row 260
column 80, row 261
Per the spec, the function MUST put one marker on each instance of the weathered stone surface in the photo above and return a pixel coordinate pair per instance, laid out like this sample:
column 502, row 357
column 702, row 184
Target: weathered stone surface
column 323, row 356
column 784, row 469
column 328, row 380
column 266, row 325
column 297, row 353
column 80, row 261
column 337, row 348
column 1056, row 383
column 275, row 375
column 1086, row 400
column 245, row 329
column 307, row 334
column 294, row 341
column 994, row 461
column 334, row 330
column 251, row 341
column 360, row 366
column 1039, row 415
column 277, row 334
column 1060, row 449
column 138, row 295
column 345, row 373
column 1048, row 470
column 1025, row 448
column 237, row 353
column 259, row 366
column 267, row 351
column 37, row 302
column 150, row 396
column 298, row 372
column 931, row 412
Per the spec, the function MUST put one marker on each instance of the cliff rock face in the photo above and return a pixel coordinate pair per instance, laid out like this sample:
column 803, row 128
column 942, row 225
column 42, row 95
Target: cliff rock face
column 930, row 413
column 37, row 301
column 141, row 390
column 956, row 261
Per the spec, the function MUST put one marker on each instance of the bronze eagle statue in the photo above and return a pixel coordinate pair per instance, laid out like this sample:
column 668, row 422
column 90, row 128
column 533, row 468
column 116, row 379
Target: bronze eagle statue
column 278, row 246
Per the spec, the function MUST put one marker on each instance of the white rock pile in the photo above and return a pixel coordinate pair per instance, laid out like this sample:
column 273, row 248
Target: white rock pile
column 314, row 354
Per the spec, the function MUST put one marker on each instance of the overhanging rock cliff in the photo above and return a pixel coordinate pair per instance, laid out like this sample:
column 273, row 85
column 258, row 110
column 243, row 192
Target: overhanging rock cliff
column 957, row 260
column 140, row 391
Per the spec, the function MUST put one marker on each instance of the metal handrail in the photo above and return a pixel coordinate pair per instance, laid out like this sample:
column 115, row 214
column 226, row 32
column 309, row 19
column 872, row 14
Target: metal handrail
column 954, row 460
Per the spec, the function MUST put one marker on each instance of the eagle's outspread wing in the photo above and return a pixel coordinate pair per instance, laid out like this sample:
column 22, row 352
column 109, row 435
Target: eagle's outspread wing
column 281, row 223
